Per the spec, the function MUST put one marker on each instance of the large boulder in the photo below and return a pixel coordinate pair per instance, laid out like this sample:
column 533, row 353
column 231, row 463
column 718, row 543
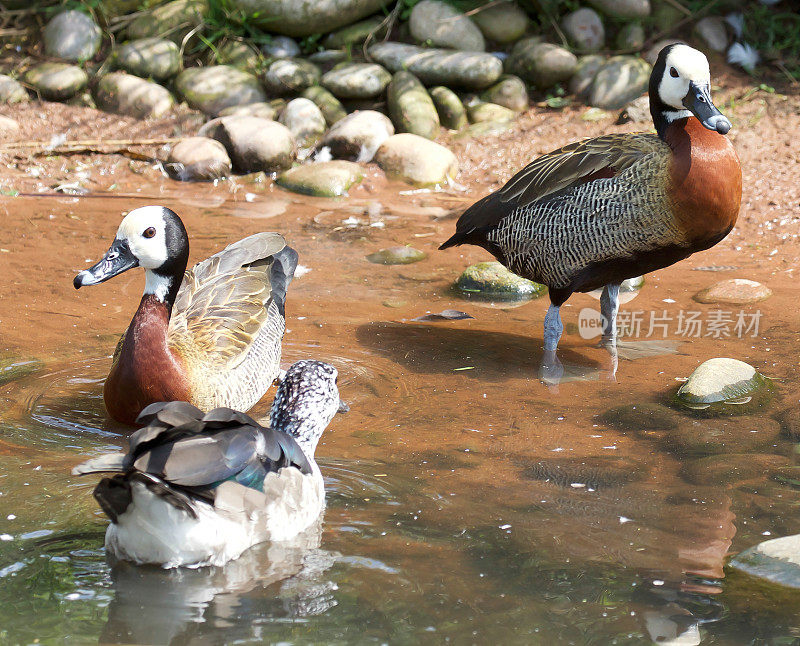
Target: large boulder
column 303, row 17
column 198, row 159
column 255, row 144
column 467, row 70
column 173, row 20
column 416, row 160
column 356, row 81
column 71, row 36
column 541, row 64
column 410, row 106
column 437, row 23
column 214, row 88
column 619, row 81
column 57, row 81
column 132, row 96
column 156, row 58
column 12, row 91
column 357, row 136
column 304, row 120
column 288, row 76
column 323, row 179
column 502, row 22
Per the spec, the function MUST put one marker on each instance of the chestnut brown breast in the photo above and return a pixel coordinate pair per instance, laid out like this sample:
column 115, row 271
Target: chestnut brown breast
column 145, row 370
column 706, row 181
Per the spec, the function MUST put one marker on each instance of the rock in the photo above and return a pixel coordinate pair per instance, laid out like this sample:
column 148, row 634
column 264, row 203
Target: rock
column 129, row 95
column 484, row 129
column 471, row 71
column 410, row 107
column 652, row 54
column 492, row 281
column 637, row 111
column 416, row 160
column 57, row 81
column 718, row 470
column 281, row 47
column 240, row 55
column 198, row 159
column 327, row 59
column 255, row 144
column 542, row 64
column 14, row 368
column 776, row 560
column 8, row 127
column 697, row 437
column 584, row 29
column 712, row 33
column 789, row 420
column 509, row 91
column 71, row 36
column 623, row 9
column 12, row 91
column 451, row 111
column 304, row 120
column 358, row 136
column 619, row 81
column 83, row 99
column 642, row 418
column 260, row 109
column 173, row 20
column 442, row 25
column 580, row 84
column 734, row 291
column 356, row 34
column 480, row 111
column 155, row 58
column 356, row 81
column 322, row 179
column 397, row 256
column 329, row 105
column 630, row 36
column 664, row 16
column 289, row 76
column 719, row 380
column 503, row 22
column 293, row 18
column 214, row 88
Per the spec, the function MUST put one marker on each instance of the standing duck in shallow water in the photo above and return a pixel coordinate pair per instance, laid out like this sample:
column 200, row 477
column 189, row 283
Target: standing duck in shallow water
column 197, row 490
column 211, row 335
column 598, row 211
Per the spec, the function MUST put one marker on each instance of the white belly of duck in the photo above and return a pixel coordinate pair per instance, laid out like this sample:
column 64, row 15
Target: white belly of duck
column 156, row 532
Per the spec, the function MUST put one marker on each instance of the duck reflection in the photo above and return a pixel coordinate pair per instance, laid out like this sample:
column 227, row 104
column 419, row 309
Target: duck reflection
column 208, row 605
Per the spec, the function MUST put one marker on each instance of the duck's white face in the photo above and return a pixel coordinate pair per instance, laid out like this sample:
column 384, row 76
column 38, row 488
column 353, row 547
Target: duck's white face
column 684, row 65
column 145, row 231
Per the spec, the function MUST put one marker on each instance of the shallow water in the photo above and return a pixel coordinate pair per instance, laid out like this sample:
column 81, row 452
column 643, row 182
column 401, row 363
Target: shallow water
column 467, row 502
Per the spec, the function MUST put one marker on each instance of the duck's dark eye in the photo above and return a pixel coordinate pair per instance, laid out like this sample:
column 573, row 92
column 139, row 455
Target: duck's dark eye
column 673, row 72
column 149, row 232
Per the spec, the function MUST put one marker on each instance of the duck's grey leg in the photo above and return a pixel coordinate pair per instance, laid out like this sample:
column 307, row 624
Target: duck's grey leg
column 551, row 369
column 609, row 306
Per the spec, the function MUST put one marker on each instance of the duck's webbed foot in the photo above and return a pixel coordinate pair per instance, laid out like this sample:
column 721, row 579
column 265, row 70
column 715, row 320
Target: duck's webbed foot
column 550, row 369
column 609, row 306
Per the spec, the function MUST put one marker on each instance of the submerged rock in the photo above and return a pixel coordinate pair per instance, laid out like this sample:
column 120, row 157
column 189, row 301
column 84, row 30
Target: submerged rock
column 502, row 22
column 416, row 160
column 12, row 91
column 156, row 58
column 57, row 81
column 198, row 159
column 717, row 470
column 358, row 136
column 492, row 281
column 356, row 81
column 71, row 36
column 123, row 93
column 509, row 91
column 584, row 29
column 642, row 418
column 293, row 18
column 734, row 291
column 541, row 64
column 356, row 33
column 442, row 25
column 410, row 106
column 304, row 120
column 397, row 256
column 281, row 47
column 451, row 111
column 718, row 382
column 261, row 109
column 173, row 20
column 789, row 420
column 14, row 368
column 698, row 437
column 288, row 76
column 255, row 144
column 214, row 88
column 331, row 108
column 776, row 560
column 468, row 70
column 619, row 81
column 322, row 179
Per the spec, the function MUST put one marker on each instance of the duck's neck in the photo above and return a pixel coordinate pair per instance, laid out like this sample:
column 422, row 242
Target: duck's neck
column 161, row 288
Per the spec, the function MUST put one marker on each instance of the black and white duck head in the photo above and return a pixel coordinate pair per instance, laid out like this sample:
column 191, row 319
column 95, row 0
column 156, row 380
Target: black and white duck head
column 151, row 237
column 306, row 402
column 680, row 86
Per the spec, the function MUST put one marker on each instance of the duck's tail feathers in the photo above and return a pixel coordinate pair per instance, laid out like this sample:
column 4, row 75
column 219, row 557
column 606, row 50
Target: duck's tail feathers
column 114, row 494
column 281, row 274
column 108, row 463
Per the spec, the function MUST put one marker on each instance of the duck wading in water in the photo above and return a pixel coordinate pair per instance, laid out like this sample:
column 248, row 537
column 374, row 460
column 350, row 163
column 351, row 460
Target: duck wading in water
column 598, row 211
column 210, row 336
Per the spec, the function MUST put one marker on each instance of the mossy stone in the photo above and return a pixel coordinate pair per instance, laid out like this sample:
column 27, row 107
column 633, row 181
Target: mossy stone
column 397, row 256
column 492, row 281
column 411, row 107
column 323, row 179
column 723, row 386
column 451, row 111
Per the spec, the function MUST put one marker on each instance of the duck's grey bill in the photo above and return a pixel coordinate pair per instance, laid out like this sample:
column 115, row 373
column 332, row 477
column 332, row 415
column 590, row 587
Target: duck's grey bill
column 116, row 260
column 698, row 101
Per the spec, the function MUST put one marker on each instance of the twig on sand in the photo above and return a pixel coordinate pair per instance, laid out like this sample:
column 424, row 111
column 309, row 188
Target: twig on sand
column 93, row 146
